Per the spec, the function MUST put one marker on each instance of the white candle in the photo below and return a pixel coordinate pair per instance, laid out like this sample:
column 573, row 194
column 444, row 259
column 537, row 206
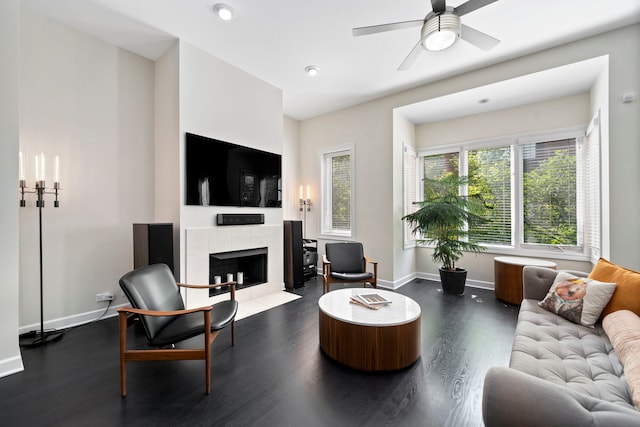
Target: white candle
column 42, row 168
column 240, row 276
column 217, row 280
column 308, row 193
column 21, row 166
column 300, row 193
column 37, row 168
column 56, row 169
column 229, row 277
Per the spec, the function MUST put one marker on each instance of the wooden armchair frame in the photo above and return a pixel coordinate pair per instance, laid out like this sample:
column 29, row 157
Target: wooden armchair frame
column 131, row 355
column 327, row 279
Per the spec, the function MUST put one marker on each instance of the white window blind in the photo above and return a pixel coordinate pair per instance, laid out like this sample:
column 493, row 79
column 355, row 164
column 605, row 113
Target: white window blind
column 592, row 189
column 410, row 170
column 489, row 172
column 337, row 193
column 550, row 193
column 437, row 165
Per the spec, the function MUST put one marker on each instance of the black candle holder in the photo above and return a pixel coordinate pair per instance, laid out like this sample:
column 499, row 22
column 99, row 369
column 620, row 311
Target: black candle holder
column 40, row 337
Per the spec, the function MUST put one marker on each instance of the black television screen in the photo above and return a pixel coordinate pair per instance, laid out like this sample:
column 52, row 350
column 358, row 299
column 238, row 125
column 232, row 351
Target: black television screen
column 220, row 173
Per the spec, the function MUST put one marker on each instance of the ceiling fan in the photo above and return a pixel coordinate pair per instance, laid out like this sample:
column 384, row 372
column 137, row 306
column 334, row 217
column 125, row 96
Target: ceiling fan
column 440, row 29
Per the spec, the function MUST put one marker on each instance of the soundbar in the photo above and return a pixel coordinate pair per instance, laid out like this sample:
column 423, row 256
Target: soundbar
column 240, row 219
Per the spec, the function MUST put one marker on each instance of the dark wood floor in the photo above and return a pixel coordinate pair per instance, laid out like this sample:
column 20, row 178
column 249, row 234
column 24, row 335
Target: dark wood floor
column 275, row 375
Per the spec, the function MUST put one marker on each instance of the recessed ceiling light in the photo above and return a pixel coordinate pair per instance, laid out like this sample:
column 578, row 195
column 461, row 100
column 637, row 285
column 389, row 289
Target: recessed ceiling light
column 224, row 11
column 312, row 70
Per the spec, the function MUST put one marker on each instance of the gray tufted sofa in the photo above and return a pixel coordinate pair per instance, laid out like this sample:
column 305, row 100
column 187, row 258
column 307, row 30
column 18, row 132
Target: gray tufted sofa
column 560, row 373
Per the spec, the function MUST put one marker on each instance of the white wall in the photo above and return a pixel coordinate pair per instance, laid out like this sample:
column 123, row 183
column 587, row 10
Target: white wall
column 558, row 113
column 10, row 360
column 404, row 134
column 291, row 169
column 369, row 126
column 167, row 150
column 91, row 103
column 220, row 101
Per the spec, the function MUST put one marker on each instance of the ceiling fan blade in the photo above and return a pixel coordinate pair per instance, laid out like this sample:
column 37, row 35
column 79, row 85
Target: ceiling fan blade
column 478, row 38
column 363, row 31
column 411, row 58
column 471, row 5
column 438, row 6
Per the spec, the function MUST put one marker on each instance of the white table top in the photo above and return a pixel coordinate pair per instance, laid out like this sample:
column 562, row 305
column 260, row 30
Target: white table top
column 516, row 260
column 402, row 309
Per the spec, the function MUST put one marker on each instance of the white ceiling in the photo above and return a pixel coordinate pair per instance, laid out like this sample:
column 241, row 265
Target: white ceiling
column 274, row 40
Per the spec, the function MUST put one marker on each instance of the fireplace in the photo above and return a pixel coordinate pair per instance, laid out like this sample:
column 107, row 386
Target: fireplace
column 251, row 263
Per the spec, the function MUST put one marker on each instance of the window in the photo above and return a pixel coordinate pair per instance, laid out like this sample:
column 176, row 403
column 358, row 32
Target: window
column 337, row 190
column 543, row 191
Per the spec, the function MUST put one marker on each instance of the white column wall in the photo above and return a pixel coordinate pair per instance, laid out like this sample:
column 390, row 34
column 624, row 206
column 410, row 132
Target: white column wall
column 10, row 359
column 92, row 104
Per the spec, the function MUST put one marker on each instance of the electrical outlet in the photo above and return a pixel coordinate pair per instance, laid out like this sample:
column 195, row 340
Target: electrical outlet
column 107, row 296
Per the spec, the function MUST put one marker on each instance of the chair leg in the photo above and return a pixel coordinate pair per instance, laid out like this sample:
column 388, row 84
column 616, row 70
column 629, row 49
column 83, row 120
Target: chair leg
column 122, row 323
column 208, row 340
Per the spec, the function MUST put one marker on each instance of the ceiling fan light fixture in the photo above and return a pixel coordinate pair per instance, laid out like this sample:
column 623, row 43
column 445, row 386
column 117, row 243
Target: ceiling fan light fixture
column 441, row 31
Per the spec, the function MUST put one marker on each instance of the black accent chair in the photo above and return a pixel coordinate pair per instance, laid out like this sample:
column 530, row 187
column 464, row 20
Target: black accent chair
column 155, row 298
column 346, row 262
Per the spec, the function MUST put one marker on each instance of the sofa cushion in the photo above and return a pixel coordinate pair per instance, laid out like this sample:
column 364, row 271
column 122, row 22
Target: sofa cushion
column 623, row 329
column 627, row 294
column 577, row 299
column 550, row 347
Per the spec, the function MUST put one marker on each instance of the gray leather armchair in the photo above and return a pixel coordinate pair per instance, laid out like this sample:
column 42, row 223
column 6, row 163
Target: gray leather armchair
column 155, row 298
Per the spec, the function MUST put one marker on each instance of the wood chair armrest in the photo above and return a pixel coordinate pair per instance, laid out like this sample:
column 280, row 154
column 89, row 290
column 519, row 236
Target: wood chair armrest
column 217, row 285
column 325, row 260
column 231, row 284
column 162, row 313
column 368, row 260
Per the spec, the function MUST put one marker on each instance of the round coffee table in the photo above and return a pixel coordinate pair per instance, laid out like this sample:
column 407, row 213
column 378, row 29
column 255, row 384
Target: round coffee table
column 371, row 340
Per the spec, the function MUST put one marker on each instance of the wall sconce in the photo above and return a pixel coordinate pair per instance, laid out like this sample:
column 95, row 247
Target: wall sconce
column 305, row 206
column 40, row 337
column 305, row 203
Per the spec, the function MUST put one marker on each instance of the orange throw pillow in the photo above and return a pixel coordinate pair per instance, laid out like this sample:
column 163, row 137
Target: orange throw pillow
column 627, row 294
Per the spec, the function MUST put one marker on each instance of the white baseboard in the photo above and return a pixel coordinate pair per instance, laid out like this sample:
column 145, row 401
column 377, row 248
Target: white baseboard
column 74, row 320
column 10, row 366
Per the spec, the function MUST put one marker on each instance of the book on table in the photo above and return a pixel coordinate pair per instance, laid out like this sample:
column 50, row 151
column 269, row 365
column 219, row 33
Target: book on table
column 358, row 301
column 373, row 299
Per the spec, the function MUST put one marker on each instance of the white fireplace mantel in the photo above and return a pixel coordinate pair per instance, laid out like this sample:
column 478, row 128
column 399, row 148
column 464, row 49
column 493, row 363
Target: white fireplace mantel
column 201, row 242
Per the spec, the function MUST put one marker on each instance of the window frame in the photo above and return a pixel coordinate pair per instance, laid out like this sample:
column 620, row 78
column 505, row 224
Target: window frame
column 326, row 225
column 516, row 143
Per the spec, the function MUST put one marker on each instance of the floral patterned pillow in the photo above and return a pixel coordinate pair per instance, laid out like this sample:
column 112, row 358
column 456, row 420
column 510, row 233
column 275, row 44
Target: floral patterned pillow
column 578, row 299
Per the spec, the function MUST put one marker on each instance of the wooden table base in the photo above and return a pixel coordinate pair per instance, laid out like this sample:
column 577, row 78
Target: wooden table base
column 370, row 348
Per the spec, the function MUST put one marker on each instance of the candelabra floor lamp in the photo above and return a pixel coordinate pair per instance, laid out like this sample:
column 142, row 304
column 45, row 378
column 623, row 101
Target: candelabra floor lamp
column 40, row 337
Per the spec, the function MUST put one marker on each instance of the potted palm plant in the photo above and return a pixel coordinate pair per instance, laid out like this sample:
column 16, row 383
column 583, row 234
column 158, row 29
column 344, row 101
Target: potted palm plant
column 443, row 220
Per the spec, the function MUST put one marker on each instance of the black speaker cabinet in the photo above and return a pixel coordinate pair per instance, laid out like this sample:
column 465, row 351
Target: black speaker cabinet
column 293, row 256
column 153, row 244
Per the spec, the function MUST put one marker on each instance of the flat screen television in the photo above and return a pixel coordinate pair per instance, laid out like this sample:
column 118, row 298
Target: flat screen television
column 220, row 173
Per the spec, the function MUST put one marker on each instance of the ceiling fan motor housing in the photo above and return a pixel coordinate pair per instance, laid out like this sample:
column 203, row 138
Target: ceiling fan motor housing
column 440, row 31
